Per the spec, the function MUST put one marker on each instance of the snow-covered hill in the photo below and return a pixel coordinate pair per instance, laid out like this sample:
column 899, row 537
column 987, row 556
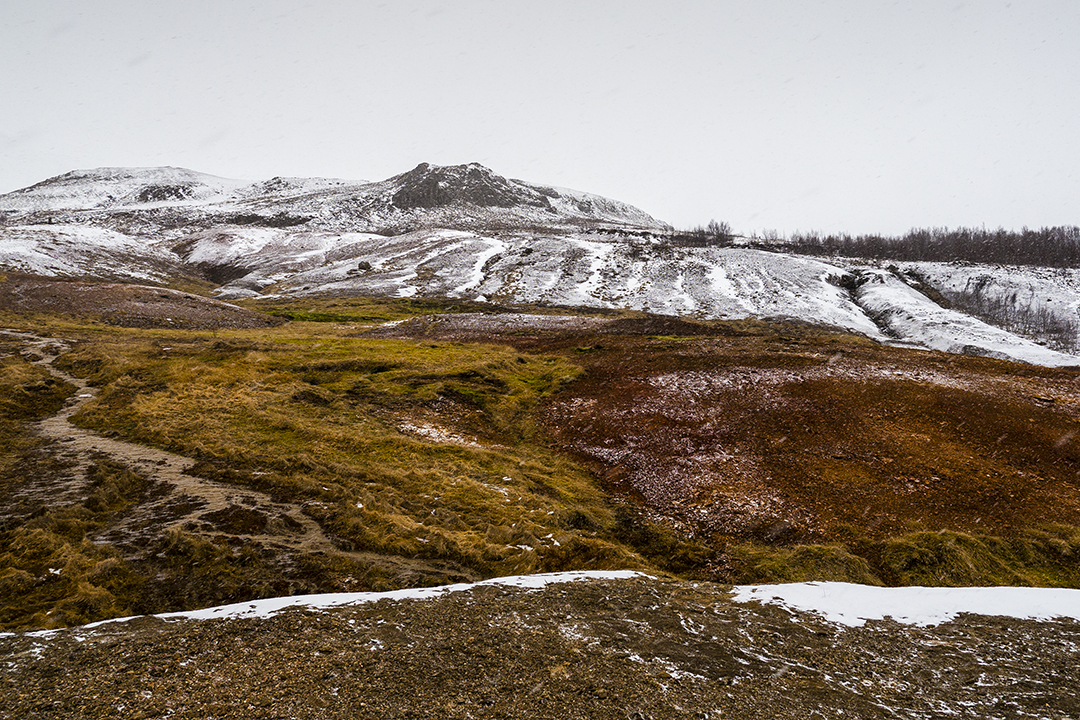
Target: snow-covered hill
column 112, row 188
column 71, row 250
column 427, row 196
column 465, row 231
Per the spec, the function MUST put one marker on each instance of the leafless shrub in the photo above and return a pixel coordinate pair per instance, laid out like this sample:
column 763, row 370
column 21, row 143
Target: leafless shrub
column 1036, row 321
column 1045, row 247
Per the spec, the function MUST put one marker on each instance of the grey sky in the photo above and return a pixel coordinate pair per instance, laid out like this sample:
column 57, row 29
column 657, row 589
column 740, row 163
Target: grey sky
column 852, row 115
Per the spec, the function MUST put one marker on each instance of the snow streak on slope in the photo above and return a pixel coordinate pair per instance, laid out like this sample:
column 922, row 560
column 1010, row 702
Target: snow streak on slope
column 120, row 187
column 575, row 270
column 911, row 316
column 76, row 251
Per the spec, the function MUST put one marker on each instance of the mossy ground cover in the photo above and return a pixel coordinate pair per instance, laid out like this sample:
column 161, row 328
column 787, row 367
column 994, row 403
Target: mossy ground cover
column 408, row 448
column 27, row 393
column 421, row 460
column 437, row 459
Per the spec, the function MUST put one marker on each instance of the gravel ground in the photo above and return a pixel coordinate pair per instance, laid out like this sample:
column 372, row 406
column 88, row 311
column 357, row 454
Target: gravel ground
column 637, row 648
column 125, row 305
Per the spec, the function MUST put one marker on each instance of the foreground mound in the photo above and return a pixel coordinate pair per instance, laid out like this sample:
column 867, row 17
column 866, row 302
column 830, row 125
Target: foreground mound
column 608, row 647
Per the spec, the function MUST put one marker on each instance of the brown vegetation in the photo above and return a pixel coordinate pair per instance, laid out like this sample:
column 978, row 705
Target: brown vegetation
column 458, row 447
column 121, row 304
column 607, row 650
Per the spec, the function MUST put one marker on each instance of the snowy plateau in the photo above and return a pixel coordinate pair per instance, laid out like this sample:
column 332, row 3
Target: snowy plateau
column 465, row 232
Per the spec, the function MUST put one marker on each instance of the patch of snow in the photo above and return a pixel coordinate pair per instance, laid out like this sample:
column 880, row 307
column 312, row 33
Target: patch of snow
column 852, row 605
column 913, row 317
column 481, row 258
column 437, row 434
column 271, row 606
column 227, row 246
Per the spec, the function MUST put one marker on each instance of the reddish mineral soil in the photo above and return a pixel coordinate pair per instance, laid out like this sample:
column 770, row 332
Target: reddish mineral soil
column 789, row 433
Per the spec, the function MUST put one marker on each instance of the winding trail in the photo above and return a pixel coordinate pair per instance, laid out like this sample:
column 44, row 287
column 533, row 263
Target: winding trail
column 176, row 499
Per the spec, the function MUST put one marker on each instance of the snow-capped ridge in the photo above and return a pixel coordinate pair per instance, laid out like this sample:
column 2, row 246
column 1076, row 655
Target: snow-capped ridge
column 428, row 196
column 112, row 187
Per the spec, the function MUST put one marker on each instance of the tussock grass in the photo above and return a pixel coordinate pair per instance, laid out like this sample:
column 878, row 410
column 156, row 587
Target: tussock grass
column 413, row 449
column 1043, row 556
column 1047, row 556
column 755, row 563
column 51, row 572
column 28, row 392
column 427, row 462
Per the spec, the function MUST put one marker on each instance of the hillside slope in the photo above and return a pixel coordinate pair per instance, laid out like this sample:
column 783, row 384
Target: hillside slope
column 211, row 457
column 466, row 232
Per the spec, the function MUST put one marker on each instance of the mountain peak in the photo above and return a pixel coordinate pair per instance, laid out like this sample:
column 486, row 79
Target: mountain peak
column 432, row 186
column 469, row 195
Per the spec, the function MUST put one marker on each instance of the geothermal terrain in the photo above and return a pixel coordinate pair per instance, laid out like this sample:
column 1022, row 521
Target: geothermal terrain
column 717, row 479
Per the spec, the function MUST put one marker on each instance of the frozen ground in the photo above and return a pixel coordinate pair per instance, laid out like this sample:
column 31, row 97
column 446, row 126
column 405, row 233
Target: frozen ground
column 603, row 646
column 842, row 603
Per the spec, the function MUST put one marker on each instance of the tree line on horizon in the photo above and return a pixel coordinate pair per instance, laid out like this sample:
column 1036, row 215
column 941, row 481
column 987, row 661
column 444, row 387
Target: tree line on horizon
column 1057, row 246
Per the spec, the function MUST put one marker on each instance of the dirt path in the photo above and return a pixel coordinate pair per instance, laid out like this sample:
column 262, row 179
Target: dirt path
column 177, row 499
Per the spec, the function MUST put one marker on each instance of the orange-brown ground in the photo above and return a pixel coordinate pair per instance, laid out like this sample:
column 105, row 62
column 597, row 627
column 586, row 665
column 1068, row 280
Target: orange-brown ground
column 791, row 434
column 123, row 304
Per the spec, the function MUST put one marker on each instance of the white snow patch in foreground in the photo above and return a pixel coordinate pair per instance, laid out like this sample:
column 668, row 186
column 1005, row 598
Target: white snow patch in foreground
column 842, row 603
column 852, row 605
column 271, row 606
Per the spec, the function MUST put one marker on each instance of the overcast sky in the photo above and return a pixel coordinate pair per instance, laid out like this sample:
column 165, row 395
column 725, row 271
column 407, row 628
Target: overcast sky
column 838, row 115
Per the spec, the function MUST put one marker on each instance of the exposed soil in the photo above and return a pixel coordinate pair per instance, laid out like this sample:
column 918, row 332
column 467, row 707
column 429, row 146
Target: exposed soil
column 179, row 500
column 246, row 521
column 124, row 304
column 796, row 435
column 636, row 648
